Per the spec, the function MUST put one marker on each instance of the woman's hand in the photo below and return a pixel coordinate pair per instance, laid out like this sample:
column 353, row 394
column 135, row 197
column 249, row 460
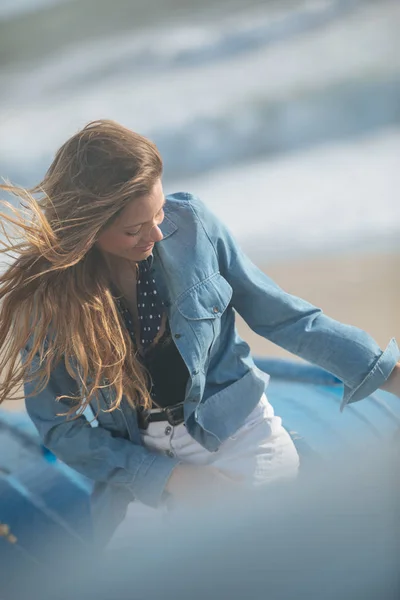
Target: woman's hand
column 392, row 384
column 193, row 483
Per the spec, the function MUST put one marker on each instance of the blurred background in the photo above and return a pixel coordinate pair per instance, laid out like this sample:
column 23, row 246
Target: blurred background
column 283, row 116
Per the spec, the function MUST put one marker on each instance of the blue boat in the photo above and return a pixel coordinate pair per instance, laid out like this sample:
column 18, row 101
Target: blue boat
column 42, row 500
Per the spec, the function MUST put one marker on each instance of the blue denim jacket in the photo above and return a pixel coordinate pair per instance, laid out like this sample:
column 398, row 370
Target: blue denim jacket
column 203, row 278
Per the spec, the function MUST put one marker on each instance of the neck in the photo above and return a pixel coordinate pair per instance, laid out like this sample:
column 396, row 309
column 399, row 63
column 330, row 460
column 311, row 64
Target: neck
column 120, row 270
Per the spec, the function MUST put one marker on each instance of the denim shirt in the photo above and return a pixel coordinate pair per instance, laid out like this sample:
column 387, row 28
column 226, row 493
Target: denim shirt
column 203, row 277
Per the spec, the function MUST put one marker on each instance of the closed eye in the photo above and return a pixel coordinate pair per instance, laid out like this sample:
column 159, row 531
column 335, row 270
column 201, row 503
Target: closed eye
column 159, row 215
column 133, row 233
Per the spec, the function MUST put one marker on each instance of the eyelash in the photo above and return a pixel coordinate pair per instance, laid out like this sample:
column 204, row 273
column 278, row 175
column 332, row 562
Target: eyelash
column 133, row 234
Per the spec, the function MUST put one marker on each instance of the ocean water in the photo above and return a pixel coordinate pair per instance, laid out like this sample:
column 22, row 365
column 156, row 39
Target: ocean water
column 284, row 117
column 334, row 198
column 9, row 9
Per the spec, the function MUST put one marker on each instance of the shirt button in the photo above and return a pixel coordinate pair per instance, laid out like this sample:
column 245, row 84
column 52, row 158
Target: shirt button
column 216, row 309
column 168, row 430
column 178, row 335
column 170, row 453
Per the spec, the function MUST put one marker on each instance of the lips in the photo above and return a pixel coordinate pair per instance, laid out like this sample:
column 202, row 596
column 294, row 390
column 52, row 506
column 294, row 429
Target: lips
column 143, row 248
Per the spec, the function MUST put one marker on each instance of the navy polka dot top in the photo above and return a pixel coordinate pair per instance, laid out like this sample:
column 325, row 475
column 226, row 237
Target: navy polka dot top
column 167, row 369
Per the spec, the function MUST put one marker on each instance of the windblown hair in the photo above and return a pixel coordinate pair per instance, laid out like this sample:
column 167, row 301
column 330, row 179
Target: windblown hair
column 55, row 297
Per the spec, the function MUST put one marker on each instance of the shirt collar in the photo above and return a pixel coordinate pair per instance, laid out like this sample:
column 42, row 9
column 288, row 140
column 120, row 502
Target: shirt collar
column 167, row 227
column 149, row 260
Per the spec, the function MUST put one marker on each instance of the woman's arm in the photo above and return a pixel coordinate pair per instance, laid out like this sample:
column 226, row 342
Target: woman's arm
column 93, row 451
column 296, row 325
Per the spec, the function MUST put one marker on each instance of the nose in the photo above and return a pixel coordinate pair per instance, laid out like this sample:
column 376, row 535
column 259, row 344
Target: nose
column 156, row 234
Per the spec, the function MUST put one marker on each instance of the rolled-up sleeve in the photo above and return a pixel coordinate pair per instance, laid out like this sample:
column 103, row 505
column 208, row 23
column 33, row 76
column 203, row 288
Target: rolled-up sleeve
column 94, row 451
column 348, row 352
column 376, row 376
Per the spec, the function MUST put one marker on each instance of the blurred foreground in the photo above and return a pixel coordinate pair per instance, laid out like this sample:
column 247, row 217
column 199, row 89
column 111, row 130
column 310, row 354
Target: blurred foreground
column 334, row 534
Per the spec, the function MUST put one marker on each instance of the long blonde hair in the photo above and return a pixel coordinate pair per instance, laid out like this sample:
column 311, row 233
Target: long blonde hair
column 55, row 294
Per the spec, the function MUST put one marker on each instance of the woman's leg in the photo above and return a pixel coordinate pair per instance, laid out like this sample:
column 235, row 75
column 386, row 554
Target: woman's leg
column 260, row 452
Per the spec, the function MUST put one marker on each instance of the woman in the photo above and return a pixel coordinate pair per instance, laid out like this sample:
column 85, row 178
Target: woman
column 124, row 301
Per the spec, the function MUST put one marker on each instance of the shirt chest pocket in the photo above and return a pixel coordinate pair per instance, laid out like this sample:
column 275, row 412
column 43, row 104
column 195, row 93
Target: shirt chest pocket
column 203, row 306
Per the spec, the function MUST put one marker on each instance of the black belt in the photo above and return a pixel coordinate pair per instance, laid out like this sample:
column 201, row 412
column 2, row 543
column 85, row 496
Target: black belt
column 172, row 414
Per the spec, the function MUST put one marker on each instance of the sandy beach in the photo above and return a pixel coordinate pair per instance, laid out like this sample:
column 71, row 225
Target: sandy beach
column 358, row 289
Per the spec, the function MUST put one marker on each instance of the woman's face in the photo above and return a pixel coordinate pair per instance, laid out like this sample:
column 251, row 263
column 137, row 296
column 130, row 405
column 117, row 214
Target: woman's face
column 133, row 233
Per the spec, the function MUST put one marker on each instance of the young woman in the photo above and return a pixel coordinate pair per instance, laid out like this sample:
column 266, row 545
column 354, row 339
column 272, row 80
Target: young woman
column 123, row 300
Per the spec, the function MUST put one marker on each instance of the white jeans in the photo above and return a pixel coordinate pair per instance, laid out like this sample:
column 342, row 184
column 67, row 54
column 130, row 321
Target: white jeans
column 260, row 452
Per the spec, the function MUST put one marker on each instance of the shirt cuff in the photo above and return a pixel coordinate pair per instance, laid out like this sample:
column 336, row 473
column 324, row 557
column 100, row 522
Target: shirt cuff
column 376, row 377
column 151, row 479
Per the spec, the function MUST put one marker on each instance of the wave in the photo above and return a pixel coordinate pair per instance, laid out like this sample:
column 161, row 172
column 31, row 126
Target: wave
column 341, row 196
column 9, row 9
column 196, row 46
column 269, row 128
column 261, row 128
column 186, row 45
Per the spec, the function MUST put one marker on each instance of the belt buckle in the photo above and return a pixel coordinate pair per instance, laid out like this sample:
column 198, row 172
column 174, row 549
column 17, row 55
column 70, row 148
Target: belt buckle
column 174, row 414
